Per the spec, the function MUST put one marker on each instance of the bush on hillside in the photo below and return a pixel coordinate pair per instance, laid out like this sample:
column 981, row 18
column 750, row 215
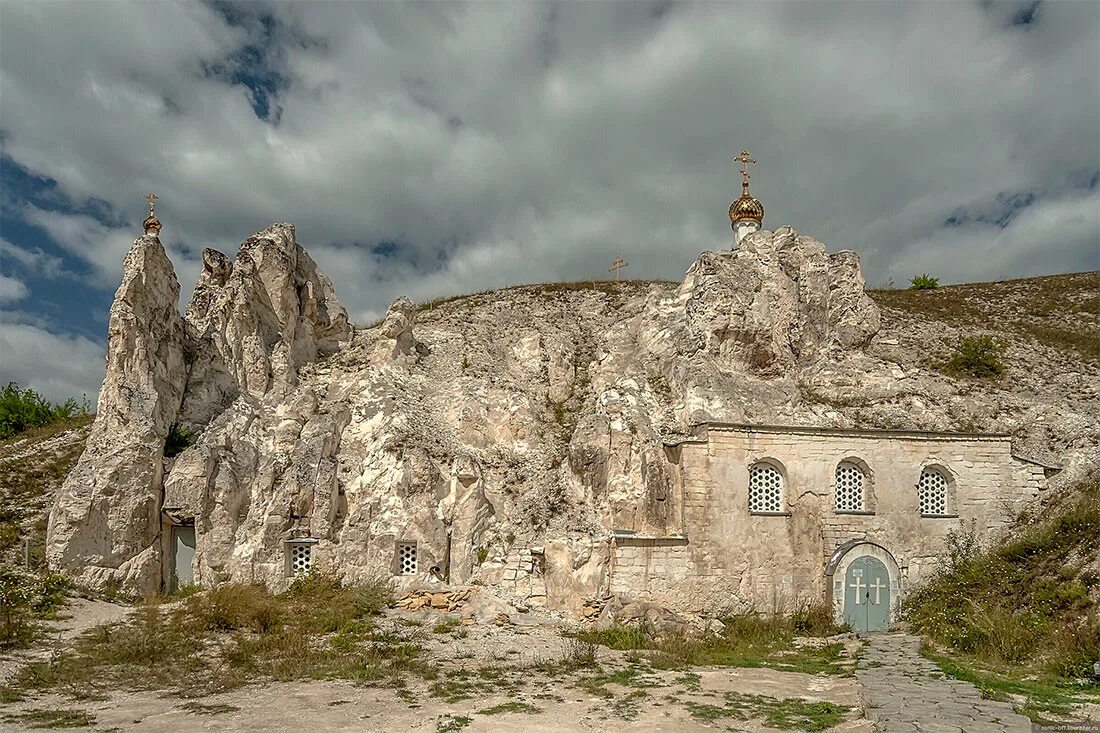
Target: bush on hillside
column 22, row 409
column 1026, row 601
column 25, row 599
column 977, row 356
column 179, row 439
column 924, row 282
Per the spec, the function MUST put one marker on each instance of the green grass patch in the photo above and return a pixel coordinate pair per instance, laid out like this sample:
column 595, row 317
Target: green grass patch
column 786, row 714
column 512, row 706
column 38, row 718
column 448, row 723
column 751, row 640
column 199, row 708
column 1042, row 698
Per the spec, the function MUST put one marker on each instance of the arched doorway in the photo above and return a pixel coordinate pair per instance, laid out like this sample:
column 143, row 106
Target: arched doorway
column 864, row 585
column 867, row 595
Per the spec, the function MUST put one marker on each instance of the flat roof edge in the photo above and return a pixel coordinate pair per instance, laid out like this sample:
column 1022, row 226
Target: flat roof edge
column 701, row 429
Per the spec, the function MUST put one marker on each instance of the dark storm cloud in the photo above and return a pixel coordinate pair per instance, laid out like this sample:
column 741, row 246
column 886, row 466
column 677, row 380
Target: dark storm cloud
column 435, row 148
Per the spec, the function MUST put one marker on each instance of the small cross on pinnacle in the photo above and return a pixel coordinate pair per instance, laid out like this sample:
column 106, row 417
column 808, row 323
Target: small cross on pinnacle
column 618, row 265
column 152, row 199
column 744, row 160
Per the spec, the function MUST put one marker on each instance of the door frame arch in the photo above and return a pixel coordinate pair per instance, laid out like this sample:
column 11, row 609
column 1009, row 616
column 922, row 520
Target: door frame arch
column 837, row 568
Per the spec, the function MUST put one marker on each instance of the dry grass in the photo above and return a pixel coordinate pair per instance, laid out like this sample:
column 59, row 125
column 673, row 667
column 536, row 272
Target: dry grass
column 1030, row 603
column 610, row 287
column 226, row 637
column 27, row 485
column 1059, row 311
column 750, row 640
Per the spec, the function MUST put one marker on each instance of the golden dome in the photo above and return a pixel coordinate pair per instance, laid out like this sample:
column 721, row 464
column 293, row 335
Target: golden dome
column 151, row 224
column 745, row 208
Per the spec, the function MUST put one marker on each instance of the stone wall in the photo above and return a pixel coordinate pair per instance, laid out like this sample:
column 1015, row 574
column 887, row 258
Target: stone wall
column 734, row 560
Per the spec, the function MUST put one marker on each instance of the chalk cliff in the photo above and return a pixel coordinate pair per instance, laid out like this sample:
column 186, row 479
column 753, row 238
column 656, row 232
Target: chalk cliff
column 507, row 434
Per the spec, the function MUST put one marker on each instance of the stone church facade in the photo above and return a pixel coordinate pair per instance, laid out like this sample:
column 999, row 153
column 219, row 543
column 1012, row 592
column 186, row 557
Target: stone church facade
column 773, row 518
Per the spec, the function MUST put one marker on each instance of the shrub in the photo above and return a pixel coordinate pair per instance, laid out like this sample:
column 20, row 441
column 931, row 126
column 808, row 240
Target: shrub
column 578, row 653
column 814, row 619
column 179, row 439
column 25, row 599
column 977, row 356
column 1027, row 600
column 924, row 282
column 22, row 409
column 230, row 607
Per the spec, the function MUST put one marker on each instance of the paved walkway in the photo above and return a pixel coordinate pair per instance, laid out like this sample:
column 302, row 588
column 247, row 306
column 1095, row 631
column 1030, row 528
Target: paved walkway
column 906, row 693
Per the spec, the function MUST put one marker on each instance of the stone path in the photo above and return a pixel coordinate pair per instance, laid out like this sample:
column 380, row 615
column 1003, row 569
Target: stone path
column 906, row 693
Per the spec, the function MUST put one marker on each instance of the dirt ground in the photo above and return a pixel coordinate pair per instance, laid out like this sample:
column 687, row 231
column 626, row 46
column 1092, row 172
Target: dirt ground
column 486, row 684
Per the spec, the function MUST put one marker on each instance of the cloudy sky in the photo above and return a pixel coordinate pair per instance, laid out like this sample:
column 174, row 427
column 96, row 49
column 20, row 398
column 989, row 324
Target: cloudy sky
column 439, row 148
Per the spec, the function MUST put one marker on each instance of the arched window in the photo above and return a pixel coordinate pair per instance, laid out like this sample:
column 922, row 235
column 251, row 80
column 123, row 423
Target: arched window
column 850, row 484
column 765, row 488
column 932, row 489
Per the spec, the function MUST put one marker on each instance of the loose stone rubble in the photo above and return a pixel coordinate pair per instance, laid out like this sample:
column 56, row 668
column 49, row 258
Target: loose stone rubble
column 454, row 600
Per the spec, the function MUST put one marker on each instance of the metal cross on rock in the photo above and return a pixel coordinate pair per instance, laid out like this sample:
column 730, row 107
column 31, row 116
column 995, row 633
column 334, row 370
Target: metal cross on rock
column 152, row 199
column 744, row 160
column 617, row 265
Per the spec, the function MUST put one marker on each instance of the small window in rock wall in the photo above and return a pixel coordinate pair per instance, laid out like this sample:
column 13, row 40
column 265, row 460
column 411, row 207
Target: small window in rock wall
column 406, row 558
column 932, row 492
column 299, row 558
column 765, row 488
column 850, row 481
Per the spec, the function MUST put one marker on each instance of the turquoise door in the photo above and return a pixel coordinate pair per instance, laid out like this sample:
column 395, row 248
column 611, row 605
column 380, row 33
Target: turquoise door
column 183, row 553
column 867, row 595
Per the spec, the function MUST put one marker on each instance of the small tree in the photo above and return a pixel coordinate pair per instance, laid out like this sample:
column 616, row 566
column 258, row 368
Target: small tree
column 924, row 282
column 977, row 356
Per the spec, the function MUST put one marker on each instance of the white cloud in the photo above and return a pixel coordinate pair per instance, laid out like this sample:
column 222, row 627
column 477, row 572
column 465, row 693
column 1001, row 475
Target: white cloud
column 11, row 289
column 530, row 142
column 33, row 259
column 56, row 365
column 1056, row 236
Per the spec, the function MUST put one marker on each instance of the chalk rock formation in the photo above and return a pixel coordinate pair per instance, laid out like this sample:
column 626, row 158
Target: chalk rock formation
column 250, row 326
column 106, row 522
column 507, row 435
column 777, row 302
column 258, row 320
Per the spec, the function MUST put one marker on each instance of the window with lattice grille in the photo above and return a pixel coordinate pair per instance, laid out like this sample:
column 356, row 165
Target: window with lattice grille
column 406, row 558
column 850, row 481
column 299, row 558
column 765, row 488
column 932, row 492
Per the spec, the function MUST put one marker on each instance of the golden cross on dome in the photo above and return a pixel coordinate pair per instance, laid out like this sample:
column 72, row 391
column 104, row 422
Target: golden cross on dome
column 744, row 160
column 617, row 265
column 152, row 199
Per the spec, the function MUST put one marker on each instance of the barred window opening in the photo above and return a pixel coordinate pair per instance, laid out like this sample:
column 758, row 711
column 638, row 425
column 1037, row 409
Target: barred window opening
column 765, row 488
column 301, row 559
column 850, row 481
column 932, row 492
column 406, row 558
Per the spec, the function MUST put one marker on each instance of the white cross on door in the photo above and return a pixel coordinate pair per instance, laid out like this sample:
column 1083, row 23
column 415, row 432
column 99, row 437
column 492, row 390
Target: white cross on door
column 858, row 585
column 878, row 586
